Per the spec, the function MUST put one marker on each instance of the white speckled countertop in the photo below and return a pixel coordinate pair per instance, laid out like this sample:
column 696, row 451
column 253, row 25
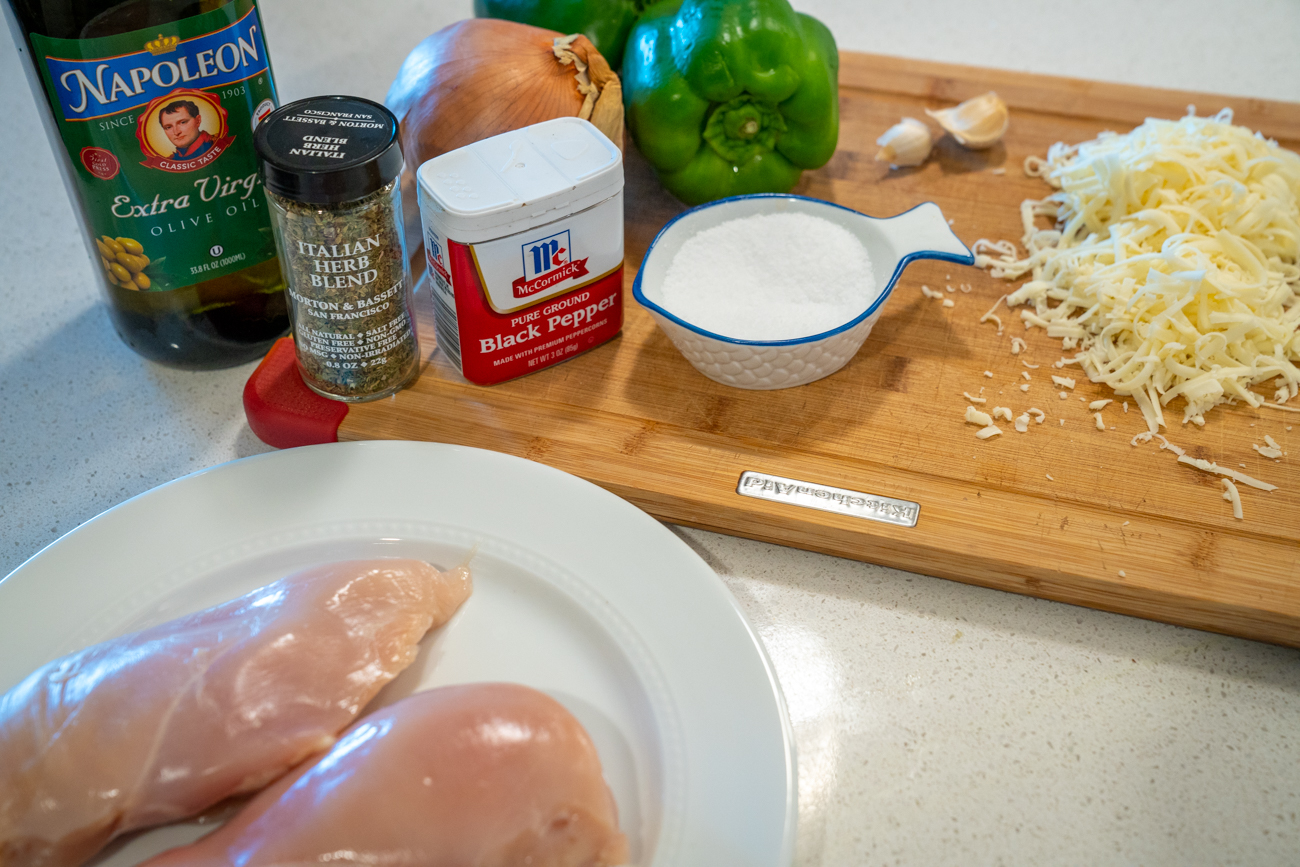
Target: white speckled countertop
column 937, row 723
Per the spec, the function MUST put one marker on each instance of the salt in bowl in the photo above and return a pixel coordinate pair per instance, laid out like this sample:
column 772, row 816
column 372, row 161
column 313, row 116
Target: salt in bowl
column 891, row 243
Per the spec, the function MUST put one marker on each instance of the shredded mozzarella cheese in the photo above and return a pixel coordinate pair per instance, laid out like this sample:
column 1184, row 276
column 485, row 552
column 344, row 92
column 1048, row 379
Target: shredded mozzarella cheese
column 1233, row 496
column 1174, row 265
column 990, row 316
column 1211, row 467
column 1269, row 451
column 1145, row 437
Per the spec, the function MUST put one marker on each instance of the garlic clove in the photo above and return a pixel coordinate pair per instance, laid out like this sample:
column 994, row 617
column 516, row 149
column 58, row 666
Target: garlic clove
column 976, row 123
column 906, row 143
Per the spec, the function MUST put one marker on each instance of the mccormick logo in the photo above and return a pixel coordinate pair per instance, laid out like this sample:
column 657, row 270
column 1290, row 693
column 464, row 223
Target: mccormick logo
column 88, row 89
column 547, row 263
column 434, row 253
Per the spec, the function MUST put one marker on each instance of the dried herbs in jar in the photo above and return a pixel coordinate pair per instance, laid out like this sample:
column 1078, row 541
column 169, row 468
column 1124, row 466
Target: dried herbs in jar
column 330, row 169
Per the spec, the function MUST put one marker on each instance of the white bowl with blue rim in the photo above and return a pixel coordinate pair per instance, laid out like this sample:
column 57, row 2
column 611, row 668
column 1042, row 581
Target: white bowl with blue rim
column 891, row 243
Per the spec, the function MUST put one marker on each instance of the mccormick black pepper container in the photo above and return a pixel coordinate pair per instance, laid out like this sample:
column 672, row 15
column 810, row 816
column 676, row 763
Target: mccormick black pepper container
column 330, row 168
column 150, row 107
column 523, row 232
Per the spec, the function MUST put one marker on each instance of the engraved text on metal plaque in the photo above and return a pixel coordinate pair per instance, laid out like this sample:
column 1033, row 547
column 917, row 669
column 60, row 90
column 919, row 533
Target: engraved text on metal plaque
column 778, row 489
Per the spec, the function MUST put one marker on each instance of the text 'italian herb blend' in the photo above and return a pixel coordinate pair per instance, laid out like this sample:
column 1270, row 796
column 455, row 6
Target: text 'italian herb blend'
column 330, row 170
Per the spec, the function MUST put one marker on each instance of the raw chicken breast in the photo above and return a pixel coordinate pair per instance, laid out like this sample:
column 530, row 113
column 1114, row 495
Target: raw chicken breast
column 479, row 775
column 161, row 724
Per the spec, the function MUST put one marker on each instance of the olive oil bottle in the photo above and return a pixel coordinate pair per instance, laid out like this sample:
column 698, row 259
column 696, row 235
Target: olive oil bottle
column 151, row 106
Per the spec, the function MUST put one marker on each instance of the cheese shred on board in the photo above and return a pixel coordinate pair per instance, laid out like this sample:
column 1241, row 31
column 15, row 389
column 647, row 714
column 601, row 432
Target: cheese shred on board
column 1232, row 495
column 1211, row 467
column 1174, row 265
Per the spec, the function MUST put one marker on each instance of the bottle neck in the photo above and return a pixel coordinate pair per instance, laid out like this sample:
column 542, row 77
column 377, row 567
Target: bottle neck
column 79, row 19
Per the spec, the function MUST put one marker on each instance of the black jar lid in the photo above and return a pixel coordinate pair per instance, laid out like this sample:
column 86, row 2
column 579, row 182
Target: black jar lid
column 328, row 149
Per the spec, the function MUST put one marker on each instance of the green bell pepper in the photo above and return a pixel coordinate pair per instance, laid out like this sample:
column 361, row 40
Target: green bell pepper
column 728, row 97
column 606, row 23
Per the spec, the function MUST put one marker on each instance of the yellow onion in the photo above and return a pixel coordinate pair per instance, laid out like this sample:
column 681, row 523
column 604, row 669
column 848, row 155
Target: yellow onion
column 483, row 76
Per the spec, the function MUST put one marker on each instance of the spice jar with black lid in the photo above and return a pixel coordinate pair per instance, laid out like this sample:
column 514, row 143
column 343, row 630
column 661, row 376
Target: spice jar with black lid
column 330, row 167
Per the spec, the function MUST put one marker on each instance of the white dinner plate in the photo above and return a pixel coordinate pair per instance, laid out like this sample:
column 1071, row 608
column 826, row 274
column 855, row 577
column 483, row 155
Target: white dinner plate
column 576, row 592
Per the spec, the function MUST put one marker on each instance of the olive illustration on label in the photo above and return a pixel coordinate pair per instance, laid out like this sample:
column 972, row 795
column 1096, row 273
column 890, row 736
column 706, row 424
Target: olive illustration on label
column 124, row 261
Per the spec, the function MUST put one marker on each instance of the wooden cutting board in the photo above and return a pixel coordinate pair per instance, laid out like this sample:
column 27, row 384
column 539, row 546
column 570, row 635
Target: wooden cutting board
column 1065, row 512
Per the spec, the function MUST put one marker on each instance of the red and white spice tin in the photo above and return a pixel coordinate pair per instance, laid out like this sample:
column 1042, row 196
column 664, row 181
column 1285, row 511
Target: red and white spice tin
column 524, row 237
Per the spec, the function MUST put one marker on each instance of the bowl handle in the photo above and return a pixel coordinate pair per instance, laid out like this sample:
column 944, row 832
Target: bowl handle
column 924, row 233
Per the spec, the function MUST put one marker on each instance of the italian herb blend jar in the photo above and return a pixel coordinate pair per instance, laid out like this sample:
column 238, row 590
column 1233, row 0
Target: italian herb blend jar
column 150, row 107
column 330, row 168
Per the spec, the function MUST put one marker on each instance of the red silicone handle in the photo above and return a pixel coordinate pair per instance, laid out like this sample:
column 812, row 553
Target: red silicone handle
column 282, row 410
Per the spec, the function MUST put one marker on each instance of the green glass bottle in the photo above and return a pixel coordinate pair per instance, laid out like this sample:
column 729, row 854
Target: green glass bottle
column 150, row 106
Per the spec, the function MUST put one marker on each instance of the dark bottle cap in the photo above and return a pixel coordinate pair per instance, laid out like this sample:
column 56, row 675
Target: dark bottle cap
column 328, row 149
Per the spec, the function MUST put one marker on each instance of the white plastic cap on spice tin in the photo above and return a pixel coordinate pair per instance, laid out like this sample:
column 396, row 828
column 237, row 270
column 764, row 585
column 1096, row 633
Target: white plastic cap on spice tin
column 520, row 179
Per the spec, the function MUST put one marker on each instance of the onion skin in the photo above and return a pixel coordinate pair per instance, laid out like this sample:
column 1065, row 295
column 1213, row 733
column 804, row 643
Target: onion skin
column 481, row 77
